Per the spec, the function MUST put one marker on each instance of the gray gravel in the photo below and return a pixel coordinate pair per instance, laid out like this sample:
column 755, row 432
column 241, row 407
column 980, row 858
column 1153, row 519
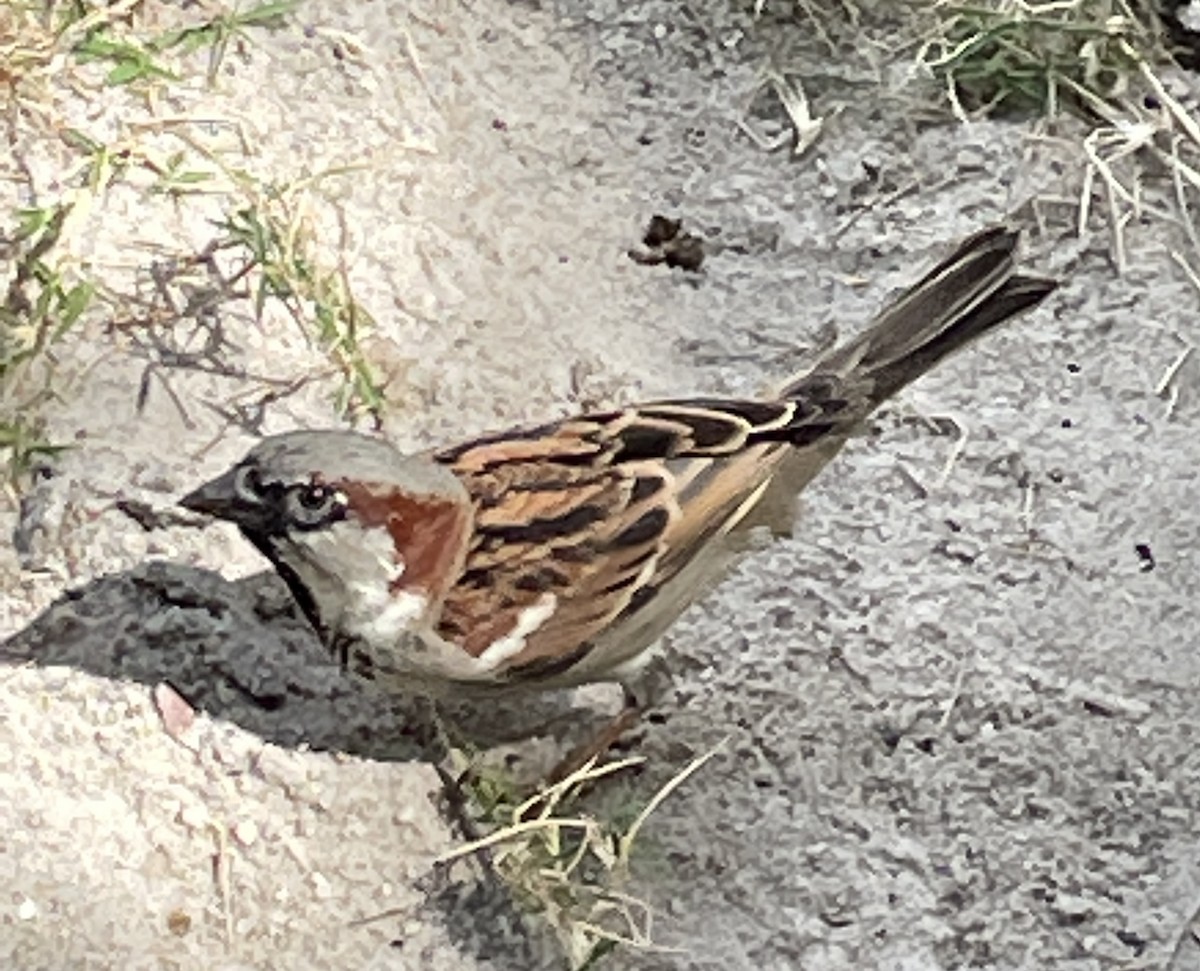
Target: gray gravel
column 959, row 710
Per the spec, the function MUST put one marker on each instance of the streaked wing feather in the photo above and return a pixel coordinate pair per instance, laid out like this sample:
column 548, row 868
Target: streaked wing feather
column 598, row 510
column 583, row 520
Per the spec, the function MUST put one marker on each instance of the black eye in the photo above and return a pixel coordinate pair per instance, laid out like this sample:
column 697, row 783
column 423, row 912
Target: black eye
column 309, row 506
column 314, row 497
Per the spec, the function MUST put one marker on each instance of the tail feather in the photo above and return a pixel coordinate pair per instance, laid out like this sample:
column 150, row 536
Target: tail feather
column 1018, row 294
column 971, row 291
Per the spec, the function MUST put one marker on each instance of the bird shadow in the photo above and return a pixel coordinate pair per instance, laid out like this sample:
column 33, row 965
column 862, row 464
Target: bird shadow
column 238, row 651
column 242, row 652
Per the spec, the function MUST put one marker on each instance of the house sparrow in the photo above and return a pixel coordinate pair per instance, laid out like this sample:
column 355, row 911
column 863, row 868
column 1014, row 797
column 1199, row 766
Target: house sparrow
column 555, row 555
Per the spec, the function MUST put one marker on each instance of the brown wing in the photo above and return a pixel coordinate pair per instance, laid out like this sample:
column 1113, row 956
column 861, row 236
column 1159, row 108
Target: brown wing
column 580, row 521
column 599, row 510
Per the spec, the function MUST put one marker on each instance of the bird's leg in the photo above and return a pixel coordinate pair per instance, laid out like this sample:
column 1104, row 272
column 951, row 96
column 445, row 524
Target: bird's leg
column 651, row 682
column 608, row 736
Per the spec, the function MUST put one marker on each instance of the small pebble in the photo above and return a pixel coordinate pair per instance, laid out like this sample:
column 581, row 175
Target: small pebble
column 322, row 888
column 246, row 832
column 194, row 816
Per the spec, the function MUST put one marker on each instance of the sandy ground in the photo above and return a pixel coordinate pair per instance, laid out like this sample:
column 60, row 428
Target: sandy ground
column 959, row 711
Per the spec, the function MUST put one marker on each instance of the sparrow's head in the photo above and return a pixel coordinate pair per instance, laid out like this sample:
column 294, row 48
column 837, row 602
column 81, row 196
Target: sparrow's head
column 367, row 538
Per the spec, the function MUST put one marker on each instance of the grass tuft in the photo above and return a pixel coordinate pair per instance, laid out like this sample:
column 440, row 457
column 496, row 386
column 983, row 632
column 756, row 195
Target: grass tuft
column 266, row 231
column 564, row 865
column 1009, row 56
column 1104, row 63
column 42, row 302
column 272, row 235
column 230, row 27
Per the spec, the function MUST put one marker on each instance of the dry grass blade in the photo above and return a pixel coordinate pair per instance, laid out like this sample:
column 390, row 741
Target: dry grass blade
column 566, row 866
column 806, row 129
column 625, row 845
column 40, row 42
column 1100, row 60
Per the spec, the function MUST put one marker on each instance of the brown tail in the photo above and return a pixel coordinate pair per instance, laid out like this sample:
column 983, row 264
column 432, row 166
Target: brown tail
column 967, row 294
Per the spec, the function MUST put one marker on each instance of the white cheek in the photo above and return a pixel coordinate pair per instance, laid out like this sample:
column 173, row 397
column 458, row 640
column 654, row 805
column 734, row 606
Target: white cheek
column 351, row 572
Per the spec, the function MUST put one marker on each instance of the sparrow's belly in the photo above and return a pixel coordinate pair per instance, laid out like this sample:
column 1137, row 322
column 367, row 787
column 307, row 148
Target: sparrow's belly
column 624, row 650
